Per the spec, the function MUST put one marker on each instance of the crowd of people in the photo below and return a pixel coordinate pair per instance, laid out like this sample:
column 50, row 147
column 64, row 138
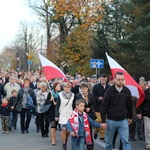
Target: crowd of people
column 86, row 108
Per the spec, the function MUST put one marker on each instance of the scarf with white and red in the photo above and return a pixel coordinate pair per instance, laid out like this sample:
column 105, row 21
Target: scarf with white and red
column 74, row 121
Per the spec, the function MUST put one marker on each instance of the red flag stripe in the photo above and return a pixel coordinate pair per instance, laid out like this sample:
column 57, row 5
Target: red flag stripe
column 50, row 69
column 134, row 87
column 51, row 72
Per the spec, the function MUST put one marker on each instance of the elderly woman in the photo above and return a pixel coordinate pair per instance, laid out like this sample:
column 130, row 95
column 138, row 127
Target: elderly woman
column 42, row 96
column 11, row 85
column 63, row 110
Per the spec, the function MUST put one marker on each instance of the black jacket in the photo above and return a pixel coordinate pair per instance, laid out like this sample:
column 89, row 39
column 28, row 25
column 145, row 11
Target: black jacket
column 2, row 92
column 32, row 86
column 75, row 89
column 144, row 108
column 90, row 104
column 13, row 102
column 31, row 93
column 117, row 105
column 99, row 91
column 5, row 110
column 91, row 100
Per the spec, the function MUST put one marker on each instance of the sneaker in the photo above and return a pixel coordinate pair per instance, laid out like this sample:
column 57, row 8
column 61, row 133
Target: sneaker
column 22, row 132
column 3, row 131
column 64, row 147
column 95, row 136
column 148, row 146
column 132, row 139
column 102, row 139
column 7, row 132
column 27, row 131
column 113, row 146
column 141, row 138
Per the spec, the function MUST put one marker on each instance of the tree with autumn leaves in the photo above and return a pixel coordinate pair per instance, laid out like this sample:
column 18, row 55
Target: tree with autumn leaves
column 74, row 19
column 77, row 20
column 77, row 51
column 79, row 30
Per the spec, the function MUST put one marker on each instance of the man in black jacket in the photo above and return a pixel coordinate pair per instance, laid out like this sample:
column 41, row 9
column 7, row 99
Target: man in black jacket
column 118, row 107
column 99, row 91
column 33, row 83
column 144, row 110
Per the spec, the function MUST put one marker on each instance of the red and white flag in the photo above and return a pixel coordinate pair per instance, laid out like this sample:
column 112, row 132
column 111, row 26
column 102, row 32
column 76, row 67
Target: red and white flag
column 134, row 87
column 50, row 69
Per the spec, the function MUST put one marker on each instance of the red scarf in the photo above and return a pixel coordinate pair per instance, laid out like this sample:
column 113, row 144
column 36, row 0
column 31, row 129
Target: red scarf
column 4, row 104
column 75, row 125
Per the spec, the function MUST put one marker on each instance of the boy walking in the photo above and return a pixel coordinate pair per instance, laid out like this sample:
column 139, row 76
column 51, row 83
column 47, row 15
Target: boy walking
column 79, row 126
column 13, row 113
column 4, row 112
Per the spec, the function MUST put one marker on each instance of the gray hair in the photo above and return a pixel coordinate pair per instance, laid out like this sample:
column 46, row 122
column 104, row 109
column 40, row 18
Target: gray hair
column 12, row 77
column 79, row 101
column 43, row 84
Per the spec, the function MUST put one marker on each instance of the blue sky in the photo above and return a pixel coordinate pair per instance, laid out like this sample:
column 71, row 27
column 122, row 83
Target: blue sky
column 12, row 12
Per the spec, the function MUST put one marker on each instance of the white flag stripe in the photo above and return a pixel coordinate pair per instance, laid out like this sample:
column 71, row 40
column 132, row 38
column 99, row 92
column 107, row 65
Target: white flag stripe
column 46, row 62
column 134, row 90
column 113, row 64
column 134, row 87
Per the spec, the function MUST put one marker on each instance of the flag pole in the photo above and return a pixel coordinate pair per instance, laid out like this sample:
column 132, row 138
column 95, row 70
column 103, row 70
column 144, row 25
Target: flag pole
column 52, row 97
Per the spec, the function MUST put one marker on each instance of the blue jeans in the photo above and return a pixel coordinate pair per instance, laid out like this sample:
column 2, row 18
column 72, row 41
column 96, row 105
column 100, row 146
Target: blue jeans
column 77, row 143
column 123, row 131
column 12, row 119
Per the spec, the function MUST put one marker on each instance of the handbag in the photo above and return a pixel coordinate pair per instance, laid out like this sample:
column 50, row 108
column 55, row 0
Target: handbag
column 45, row 107
column 18, row 107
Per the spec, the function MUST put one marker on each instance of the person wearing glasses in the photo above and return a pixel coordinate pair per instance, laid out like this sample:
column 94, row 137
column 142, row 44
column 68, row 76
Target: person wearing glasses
column 117, row 105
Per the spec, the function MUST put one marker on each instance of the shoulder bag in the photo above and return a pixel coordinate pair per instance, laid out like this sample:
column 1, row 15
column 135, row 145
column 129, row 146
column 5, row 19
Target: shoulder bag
column 18, row 107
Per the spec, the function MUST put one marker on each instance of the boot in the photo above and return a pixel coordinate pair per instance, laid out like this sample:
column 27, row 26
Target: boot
column 64, row 147
column 53, row 136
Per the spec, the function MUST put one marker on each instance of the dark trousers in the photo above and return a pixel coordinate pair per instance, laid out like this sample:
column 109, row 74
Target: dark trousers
column 140, row 131
column 37, row 122
column 25, row 116
column 44, row 123
column 132, row 129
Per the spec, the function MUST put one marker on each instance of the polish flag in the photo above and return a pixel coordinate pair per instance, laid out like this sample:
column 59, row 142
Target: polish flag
column 134, row 87
column 50, row 69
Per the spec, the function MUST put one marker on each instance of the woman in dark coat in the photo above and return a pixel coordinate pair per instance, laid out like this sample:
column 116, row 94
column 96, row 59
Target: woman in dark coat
column 86, row 95
column 23, row 95
column 53, row 124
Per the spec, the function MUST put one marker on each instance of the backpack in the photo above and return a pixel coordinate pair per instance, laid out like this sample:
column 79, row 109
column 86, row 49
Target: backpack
column 29, row 104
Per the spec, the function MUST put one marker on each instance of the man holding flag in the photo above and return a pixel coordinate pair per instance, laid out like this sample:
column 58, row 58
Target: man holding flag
column 118, row 107
column 118, row 104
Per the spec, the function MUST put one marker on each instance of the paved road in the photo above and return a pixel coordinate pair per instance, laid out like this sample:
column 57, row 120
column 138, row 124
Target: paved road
column 33, row 141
